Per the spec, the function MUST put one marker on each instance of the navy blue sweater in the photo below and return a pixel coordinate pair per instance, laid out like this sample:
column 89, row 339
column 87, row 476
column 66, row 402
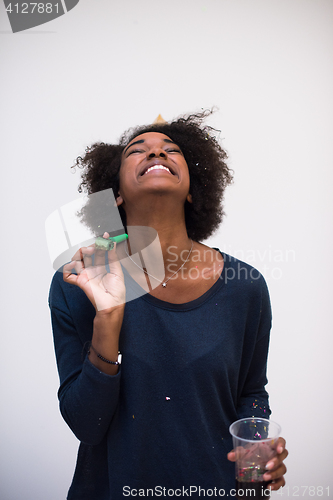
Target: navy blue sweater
column 188, row 371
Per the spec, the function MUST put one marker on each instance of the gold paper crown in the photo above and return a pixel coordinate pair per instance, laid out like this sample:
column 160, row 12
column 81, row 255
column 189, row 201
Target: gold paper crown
column 159, row 119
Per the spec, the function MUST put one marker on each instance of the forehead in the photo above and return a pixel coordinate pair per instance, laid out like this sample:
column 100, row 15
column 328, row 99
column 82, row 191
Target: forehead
column 150, row 137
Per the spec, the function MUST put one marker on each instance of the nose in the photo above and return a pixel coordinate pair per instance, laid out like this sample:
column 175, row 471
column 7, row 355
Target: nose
column 157, row 152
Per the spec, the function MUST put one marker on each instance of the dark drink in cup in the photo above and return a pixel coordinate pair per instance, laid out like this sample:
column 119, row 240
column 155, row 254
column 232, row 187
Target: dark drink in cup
column 252, row 489
column 255, row 440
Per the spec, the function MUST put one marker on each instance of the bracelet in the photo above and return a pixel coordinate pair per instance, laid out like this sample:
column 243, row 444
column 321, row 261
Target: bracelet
column 118, row 362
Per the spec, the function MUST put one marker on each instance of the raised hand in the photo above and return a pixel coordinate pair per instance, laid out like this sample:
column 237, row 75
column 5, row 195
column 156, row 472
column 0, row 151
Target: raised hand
column 104, row 287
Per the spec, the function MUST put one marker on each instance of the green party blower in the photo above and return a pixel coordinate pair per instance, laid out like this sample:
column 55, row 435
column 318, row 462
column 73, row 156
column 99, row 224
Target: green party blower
column 107, row 244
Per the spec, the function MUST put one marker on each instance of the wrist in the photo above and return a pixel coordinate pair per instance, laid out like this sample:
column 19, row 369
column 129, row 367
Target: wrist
column 110, row 362
column 105, row 340
column 106, row 327
column 109, row 318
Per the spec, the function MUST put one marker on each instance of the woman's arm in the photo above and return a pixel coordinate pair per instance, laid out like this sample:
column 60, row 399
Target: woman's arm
column 89, row 386
column 252, row 396
column 253, row 400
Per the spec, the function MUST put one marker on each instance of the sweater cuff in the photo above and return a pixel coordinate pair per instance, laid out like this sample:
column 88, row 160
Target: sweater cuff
column 95, row 373
column 251, row 407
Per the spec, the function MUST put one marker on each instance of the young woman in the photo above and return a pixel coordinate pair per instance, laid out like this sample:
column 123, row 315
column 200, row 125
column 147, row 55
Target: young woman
column 194, row 345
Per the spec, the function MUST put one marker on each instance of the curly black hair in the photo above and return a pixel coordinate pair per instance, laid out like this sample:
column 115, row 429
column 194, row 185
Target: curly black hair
column 206, row 160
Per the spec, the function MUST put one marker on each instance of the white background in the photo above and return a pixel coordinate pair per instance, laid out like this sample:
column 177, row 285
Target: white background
column 106, row 66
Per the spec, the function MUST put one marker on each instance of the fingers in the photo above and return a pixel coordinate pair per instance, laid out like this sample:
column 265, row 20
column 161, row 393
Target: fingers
column 84, row 256
column 276, row 467
column 282, row 454
column 89, row 265
column 275, row 462
column 112, row 255
column 239, row 453
column 275, row 485
column 275, row 474
column 73, row 272
column 99, row 259
column 80, row 260
column 100, row 254
column 68, row 274
column 281, row 444
column 83, row 252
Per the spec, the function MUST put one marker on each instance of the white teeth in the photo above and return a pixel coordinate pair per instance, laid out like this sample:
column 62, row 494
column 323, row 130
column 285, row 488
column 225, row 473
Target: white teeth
column 157, row 167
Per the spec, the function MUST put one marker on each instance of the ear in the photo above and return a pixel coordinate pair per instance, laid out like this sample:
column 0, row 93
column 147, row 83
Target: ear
column 119, row 200
column 189, row 198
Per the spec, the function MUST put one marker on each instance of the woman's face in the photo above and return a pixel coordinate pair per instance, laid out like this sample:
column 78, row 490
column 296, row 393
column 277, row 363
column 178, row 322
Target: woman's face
column 153, row 163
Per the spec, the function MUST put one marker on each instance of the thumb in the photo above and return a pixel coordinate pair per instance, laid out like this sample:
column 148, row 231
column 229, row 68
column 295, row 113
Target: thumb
column 69, row 274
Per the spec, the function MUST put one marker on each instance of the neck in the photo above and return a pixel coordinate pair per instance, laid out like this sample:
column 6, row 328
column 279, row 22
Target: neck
column 162, row 218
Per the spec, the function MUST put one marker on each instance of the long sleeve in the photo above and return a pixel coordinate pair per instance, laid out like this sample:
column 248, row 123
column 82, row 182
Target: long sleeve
column 253, row 398
column 88, row 397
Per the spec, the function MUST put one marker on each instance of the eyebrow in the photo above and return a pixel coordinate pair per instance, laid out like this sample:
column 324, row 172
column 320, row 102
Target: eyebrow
column 142, row 140
column 137, row 142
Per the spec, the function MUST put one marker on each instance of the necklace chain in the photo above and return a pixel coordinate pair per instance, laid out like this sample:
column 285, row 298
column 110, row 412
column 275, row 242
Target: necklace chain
column 164, row 282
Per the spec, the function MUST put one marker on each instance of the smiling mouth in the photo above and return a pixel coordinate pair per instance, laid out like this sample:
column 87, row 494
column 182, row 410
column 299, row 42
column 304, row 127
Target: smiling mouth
column 157, row 167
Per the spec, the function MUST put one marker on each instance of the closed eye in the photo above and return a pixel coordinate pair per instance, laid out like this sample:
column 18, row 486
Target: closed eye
column 169, row 150
column 173, row 151
column 136, row 151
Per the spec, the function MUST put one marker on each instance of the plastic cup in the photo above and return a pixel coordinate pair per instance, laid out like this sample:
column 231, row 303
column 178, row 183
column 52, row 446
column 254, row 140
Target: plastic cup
column 254, row 441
